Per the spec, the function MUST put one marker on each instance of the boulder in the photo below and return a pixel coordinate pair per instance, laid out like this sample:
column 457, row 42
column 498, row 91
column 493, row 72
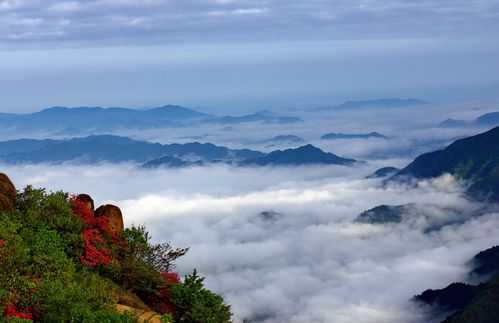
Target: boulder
column 85, row 198
column 8, row 194
column 115, row 219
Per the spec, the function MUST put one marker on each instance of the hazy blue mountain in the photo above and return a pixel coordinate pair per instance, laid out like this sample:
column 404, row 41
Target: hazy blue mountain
column 97, row 118
column 381, row 103
column 73, row 121
column 283, row 140
column 305, row 155
column 486, row 120
column 170, row 162
column 208, row 152
column 453, row 123
column 115, row 149
column 262, row 116
column 109, row 148
column 335, row 136
column 413, row 212
column 384, row 214
column 384, row 172
column 23, row 145
column 474, row 158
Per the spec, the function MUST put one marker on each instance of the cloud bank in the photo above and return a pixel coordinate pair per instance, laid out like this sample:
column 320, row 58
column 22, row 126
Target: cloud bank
column 304, row 259
column 153, row 20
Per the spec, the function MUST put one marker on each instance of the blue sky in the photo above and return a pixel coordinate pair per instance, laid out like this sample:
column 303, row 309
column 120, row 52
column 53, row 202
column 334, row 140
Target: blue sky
column 242, row 55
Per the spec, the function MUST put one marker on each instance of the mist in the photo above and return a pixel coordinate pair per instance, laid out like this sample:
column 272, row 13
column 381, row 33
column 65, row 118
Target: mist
column 303, row 259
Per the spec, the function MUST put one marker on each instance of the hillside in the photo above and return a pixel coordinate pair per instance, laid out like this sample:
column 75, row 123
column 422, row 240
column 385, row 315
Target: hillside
column 475, row 159
column 62, row 260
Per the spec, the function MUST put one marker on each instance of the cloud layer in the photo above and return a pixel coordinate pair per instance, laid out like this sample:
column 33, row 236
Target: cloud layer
column 162, row 20
column 304, row 260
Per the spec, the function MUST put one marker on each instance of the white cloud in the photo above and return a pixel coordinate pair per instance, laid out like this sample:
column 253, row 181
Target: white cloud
column 308, row 262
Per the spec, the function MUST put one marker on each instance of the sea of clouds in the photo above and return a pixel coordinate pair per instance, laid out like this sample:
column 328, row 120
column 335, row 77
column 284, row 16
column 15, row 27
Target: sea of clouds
column 305, row 260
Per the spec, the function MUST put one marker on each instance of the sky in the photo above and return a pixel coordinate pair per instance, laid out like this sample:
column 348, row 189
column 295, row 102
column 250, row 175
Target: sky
column 244, row 55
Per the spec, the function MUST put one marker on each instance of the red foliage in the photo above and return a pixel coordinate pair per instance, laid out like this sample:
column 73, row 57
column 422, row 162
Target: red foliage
column 2, row 243
column 11, row 311
column 94, row 253
column 162, row 303
column 81, row 209
column 171, row 277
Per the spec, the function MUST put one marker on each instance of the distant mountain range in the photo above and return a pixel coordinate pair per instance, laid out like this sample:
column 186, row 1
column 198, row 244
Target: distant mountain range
column 475, row 159
column 89, row 118
column 94, row 149
column 115, row 149
column 377, row 103
column 75, row 120
column 261, row 116
column 336, row 136
column 305, row 155
column 486, row 120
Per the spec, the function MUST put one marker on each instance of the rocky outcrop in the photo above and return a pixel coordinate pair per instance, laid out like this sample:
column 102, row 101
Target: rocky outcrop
column 112, row 214
column 114, row 217
column 89, row 202
column 8, row 194
column 141, row 315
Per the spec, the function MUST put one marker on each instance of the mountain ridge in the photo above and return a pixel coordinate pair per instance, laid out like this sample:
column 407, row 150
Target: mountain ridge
column 73, row 119
column 117, row 149
column 474, row 159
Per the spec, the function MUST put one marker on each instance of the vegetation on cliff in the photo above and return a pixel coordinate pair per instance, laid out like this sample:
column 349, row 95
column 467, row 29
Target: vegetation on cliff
column 61, row 261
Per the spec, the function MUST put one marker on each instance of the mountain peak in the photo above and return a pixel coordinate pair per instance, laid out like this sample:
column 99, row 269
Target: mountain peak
column 303, row 155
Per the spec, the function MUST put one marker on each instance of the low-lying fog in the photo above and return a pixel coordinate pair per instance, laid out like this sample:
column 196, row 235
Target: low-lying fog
column 305, row 260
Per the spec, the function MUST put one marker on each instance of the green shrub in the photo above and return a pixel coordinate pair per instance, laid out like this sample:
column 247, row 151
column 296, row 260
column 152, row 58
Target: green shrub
column 167, row 318
column 38, row 208
column 196, row 304
column 41, row 274
column 84, row 298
